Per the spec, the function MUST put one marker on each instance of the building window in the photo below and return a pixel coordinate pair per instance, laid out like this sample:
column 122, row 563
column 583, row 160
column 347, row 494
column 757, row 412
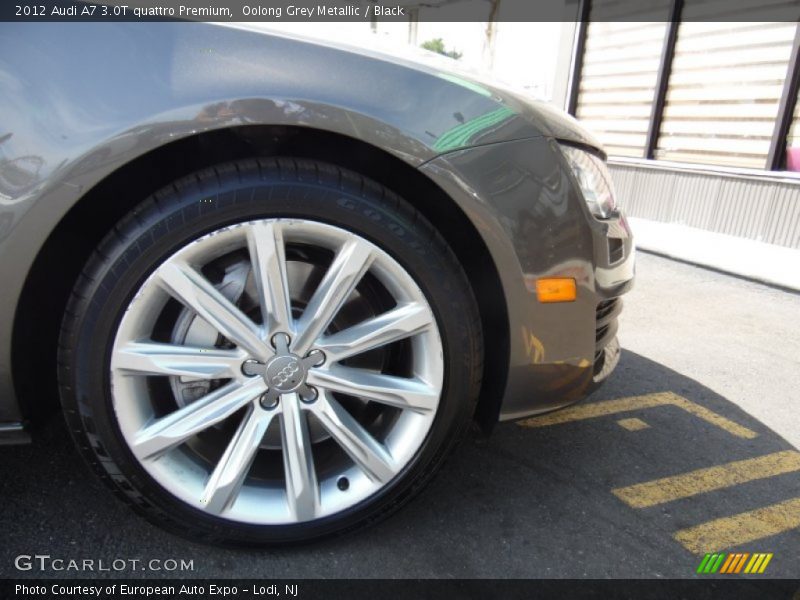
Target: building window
column 618, row 80
column 724, row 90
column 792, row 160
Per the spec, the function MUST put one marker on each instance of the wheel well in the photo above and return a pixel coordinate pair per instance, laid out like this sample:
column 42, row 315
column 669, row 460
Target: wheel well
column 71, row 243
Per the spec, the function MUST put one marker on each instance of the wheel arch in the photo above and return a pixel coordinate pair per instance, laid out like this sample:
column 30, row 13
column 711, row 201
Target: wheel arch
column 70, row 244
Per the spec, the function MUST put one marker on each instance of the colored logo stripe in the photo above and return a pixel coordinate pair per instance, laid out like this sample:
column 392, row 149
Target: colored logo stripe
column 758, row 563
column 737, row 563
column 728, row 563
column 711, row 563
column 734, row 563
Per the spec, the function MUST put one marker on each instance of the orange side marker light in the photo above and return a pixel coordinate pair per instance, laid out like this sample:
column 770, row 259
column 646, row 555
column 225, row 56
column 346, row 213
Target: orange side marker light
column 556, row 289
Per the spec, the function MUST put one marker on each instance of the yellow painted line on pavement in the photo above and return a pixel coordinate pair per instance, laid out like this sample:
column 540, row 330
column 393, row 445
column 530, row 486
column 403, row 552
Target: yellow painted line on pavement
column 711, row 417
column 611, row 407
column 659, row 491
column 745, row 527
column 633, row 424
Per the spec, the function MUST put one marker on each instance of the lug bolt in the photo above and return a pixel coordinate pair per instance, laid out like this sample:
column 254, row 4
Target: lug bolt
column 310, row 395
column 280, row 339
column 318, row 357
column 343, row 483
column 267, row 402
column 249, row 367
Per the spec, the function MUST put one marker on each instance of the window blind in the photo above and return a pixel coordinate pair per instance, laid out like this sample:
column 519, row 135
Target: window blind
column 723, row 93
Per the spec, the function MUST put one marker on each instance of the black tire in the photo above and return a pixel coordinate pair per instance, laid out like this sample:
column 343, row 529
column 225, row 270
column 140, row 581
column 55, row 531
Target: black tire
column 204, row 202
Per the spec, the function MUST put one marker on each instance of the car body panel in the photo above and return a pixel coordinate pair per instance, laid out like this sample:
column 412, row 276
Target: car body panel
column 520, row 196
column 81, row 101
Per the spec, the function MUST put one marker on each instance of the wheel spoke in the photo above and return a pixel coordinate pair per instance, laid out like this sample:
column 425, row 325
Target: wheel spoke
column 397, row 324
column 345, row 272
column 370, row 455
column 153, row 358
column 226, row 480
column 268, row 257
column 197, row 293
column 302, row 491
column 172, row 430
column 413, row 394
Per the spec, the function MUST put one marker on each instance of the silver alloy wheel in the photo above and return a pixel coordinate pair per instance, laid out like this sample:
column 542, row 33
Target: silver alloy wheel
column 280, row 371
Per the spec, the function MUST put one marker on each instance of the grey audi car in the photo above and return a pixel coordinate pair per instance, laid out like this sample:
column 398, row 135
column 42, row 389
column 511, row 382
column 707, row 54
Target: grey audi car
column 272, row 280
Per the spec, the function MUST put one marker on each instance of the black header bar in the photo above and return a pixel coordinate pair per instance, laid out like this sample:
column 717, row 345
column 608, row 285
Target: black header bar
column 276, row 11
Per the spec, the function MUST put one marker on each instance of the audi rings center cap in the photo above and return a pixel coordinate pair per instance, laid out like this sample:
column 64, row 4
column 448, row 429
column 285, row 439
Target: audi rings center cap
column 285, row 373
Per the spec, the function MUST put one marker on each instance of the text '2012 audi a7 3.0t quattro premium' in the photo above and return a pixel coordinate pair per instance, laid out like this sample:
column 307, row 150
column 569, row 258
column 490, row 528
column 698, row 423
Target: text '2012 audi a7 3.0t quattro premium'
column 273, row 280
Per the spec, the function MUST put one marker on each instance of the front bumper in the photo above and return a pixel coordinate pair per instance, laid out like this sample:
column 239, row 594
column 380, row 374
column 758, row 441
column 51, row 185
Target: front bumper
column 614, row 274
column 535, row 224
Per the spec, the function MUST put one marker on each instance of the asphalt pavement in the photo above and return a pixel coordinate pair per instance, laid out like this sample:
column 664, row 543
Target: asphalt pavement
column 687, row 450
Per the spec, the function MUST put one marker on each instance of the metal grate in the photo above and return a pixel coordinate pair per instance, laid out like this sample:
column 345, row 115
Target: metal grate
column 605, row 329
